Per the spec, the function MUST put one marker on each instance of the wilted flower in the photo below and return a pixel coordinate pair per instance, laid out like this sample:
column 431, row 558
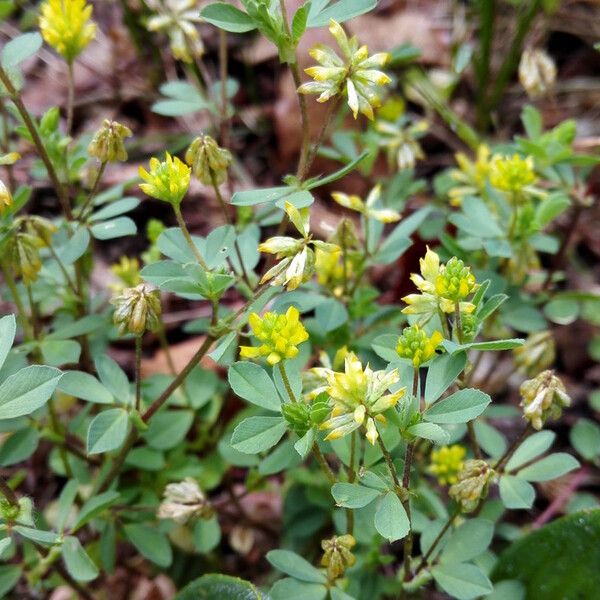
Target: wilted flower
column 178, row 19
column 66, row 26
column 470, row 175
column 367, row 208
column 401, row 142
column 280, row 335
column 359, row 396
column 417, row 346
column 357, row 74
column 542, row 398
column 537, row 72
column 536, row 354
column 446, row 463
column 208, row 160
column 6, row 198
column 512, row 174
column 183, row 501
column 168, row 180
column 107, row 144
column 472, row 484
column 137, row 309
column 22, row 251
column 337, row 555
column 441, row 287
column 40, row 228
column 296, row 257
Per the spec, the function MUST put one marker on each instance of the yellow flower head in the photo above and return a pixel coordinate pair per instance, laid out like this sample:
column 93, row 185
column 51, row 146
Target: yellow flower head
column 359, row 396
column 356, row 74
column 66, row 26
column 471, row 176
column 367, row 207
column 128, row 272
column 512, row 174
column 415, row 345
column 280, row 336
column 168, row 180
column 6, row 198
column 441, row 286
column 446, row 463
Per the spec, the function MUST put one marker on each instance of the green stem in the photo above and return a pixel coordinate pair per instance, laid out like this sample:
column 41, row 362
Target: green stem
column 223, row 77
column 8, row 493
column 188, row 237
column 323, row 463
column 70, row 96
column 89, row 200
column 437, row 540
column 63, row 269
column 22, row 314
column 458, row 323
column 503, row 460
column 286, row 382
column 351, row 479
column 487, row 16
column 138, row 371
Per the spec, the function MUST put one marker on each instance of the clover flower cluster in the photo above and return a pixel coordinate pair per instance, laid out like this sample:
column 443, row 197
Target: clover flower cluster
column 447, row 462
column 417, row 346
column 543, row 398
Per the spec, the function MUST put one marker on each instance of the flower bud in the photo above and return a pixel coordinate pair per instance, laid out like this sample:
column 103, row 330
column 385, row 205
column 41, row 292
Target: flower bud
column 455, row 282
column 537, row 72
column 543, row 397
column 415, row 345
column 446, row 463
column 337, row 555
column 472, row 484
column 536, row 354
column 208, row 161
column 297, row 416
column 183, row 501
column 107, row 144
column 320, row 409
column 137, row 310
column 6, row 198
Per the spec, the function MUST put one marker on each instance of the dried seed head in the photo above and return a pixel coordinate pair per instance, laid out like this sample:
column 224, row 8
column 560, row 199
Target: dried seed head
column 107, row 144
column 208, row 160
column 137, row 309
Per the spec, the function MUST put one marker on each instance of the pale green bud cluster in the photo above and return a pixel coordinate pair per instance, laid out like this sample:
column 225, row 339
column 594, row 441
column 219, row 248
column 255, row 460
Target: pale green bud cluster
column 107, row 145
column 137, row 310
column 455, row 281
column 209, row 162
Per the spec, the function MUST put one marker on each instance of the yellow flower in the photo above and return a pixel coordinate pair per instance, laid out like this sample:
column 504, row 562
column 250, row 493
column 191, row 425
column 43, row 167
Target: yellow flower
column 446, row 463
column 441, row 286
column 6, row 198
column 415, row 345
column 470, row 175
column 356, row 74
column 280, row 336
column 366, row 208
column 128, row 272
column 512, row 174
column 66, row 26
column 359, row 397
column 168, row 180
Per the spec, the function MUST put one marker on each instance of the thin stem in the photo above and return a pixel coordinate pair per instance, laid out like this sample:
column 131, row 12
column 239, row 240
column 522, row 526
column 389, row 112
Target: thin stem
column 63, row 270
column 188, row 237
column 138, row 371
column 444, row 322
column 473, row 440
column 503, row 460
column 223, row 77
column 286, row 382
column 437, row 540
column 458, row 323
column 8, row 493
column 487, row 17
column 12, row 286
column 323, row 463
column 37, row 140
column 390, row 464
column 88, row 201
column 351, row 478
column 70, row 96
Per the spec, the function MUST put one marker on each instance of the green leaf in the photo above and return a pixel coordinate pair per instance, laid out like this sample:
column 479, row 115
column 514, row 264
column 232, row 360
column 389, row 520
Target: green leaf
column 217, row 587
column 292, row 589
column 516, row 492
column 252, row 383
column 65, row 503
column 115, row 228
column 558, row 561
column 331, row 314
column 115, row 209
column 47, row 538
column 313, row 183
column 430, row 431
column 491, row 345
column 19, row 446
column 532, row 447
column 8, row 328
column 585, row 438
column 353, row 495
column 442, row 373
column 113, row 377
column 150, row 543
column 93, row 507
column 385, row 346
column 509, row 589
column 299, row 22
column 227, row 17
column 462, row 581
column 19, row 49
column 562, row 311
column 551, row 207
column 168, row 428
column 27, row 390
column 60, row 352
column 107, row 431
column 341, row 11
column 79, row 565
column 75, row 247
column 9, row 576
column 294, row 565
column 257, row 434
column 490, row 439
column 549, row 467
column 283, row 457
column 468, row 541
column 460, row 407
column 85, row 386
column 206, row 535
column 391, row 520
